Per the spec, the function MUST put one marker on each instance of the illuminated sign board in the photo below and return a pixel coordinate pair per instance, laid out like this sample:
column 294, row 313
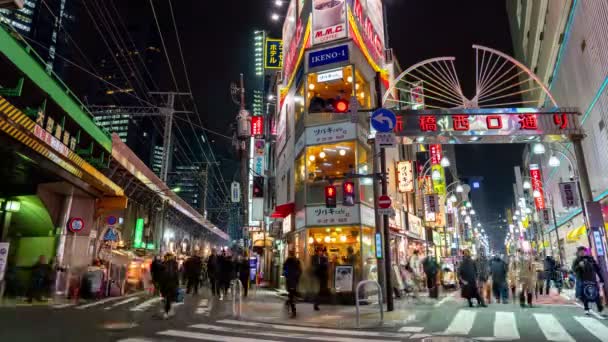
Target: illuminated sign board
column 328, row 56
column 330, row 76
column 537, row 185
column 328, row 20
column 257, row 126
column 504, row 125
column 139, row 233
column 369, row 17
column 405, row 176
column 273, row 54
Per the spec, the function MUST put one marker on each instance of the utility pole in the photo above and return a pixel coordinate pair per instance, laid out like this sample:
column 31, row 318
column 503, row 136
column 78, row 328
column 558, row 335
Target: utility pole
column 244, row 135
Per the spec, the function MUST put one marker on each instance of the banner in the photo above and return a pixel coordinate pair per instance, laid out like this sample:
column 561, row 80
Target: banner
column 569, row 194
column 431, row 208
column 405, row 176
column 273, row 54
column 439, row 184
column 328, row 20
column 369, row 18
column 537, row 185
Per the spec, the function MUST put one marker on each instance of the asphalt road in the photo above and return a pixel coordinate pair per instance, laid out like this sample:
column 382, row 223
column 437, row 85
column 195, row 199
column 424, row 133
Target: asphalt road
column 137, row 319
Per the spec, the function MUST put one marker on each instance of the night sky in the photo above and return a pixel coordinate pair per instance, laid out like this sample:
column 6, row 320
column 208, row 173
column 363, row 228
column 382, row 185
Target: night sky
column 216, row 37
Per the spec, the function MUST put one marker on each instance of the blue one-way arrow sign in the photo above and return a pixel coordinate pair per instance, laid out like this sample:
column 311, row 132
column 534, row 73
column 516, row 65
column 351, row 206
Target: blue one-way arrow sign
column 383, row 120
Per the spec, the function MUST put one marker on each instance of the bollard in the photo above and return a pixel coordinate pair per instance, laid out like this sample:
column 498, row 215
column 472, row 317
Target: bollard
column 361, row 283
column 236, row 308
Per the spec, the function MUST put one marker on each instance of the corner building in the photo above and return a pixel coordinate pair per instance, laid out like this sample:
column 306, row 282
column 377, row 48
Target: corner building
column 333, row 50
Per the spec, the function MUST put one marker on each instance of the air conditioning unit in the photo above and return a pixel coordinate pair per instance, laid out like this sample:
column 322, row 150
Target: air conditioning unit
column 11, row 4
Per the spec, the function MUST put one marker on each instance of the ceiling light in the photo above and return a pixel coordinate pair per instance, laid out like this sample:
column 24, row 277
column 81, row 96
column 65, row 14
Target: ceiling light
column 468, row 205
column 322, row 155
column 472, row 212
column 279, row 3
column 554, row 161
column 349, row 79
column 342, row 152
column 419, row 139
column 538, row 148
column 478, row 224
column 516, row 212
column 311, row 158
column 311, row 86
column 474, row 139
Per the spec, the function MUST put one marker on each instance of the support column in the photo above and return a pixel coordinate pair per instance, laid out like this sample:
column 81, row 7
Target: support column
column 66, row 209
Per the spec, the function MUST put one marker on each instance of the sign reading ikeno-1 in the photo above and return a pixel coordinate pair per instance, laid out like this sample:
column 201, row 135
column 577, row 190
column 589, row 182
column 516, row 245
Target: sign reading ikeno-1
column 503, row 125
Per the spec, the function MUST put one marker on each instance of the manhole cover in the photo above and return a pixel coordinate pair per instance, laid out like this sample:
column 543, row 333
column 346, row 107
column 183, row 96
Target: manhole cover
column 119, row 325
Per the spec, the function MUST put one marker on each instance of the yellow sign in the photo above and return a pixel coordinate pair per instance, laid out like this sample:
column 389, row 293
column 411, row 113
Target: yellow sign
column 438, row 184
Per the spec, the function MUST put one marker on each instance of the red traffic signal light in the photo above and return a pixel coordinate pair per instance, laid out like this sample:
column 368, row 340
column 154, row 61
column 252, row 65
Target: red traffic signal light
column 258, row 187
column 340, row 106
column 330, row 196
column 348, row 190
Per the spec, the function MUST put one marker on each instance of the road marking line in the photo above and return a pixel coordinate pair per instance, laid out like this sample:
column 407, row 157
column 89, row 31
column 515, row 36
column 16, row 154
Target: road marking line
column 202, row 311
column 128, row 300
column 505, row 326
column 317, row 330
column 442, row 301
column 595, row 314
column 63, row 306
column 299, row 336
column 419, row 336
column 411, row 329
column 109, row 299
column 552, row 329
column 209, row 337
column 145, row 305
column 203, row 302
column 596, row 328
column 462, row 323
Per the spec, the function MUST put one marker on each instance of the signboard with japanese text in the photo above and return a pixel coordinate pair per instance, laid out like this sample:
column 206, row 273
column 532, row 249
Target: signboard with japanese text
column 368, row 16
column 235, row 192
column 51, row 141
column 405, row 176
column 331, row 133
column 415, row 227
column 431, row 208
column 322, row 216
column 436, row 153
column 328, row 20
column 293, row 31
column 417, row 95
column 259, row 146
column 569, row 194
column 438, row 184
column 273, row 54
column 257, row 126
column 504, row 125
column 537, row 185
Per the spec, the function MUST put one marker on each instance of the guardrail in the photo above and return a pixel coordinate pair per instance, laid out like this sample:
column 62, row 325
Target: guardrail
column 380, row 299
column 236, row 308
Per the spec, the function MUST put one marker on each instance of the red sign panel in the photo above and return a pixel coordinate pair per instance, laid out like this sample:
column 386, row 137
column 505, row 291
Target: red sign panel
column 384, row 202
column 257, row 125
column 436, row 154
column 537, row 185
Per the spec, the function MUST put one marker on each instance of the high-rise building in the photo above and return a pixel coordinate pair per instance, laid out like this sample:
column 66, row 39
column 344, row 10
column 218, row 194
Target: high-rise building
column 564, row 42
column 188, row 182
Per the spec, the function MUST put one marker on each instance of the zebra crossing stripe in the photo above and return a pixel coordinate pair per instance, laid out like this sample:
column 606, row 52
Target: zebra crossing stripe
column 552, row 329
column 99, row 302
column 299, row 336
column 594, row 326
column 145, row 305
column 63, row 306
column 209, row 337
column 462, row 323
column 505, row 326
column 122, row 302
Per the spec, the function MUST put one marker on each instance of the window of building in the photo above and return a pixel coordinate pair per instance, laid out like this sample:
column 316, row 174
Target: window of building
column 330, row 161
column 323, row 88
column 364, row 167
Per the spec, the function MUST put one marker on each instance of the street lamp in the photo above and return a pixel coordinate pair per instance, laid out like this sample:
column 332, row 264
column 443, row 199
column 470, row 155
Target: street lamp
column 453, row 198
column 472, row 212
column 278, row 3
column 538, row 148
column 468, row 205
column 536, row 194
column 445, row 162
column 436, row 175
column 275, row 17
column 527, row 185
column 459, row 188
column 554, row 161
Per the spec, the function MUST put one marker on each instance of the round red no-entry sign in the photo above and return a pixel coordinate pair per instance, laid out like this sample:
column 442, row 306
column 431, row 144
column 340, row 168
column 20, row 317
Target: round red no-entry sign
column 384, row 201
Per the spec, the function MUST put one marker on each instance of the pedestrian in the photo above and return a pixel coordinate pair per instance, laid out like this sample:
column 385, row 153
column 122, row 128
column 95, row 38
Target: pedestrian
column 156, row 270
column 226, row 272
column 430, row 266
column 193, row 268
column 292, row 270
column 483, row 276
column 242, row 267
column 320, row 266
column 212, row 268
column 527, row 278
column 169, row 283
column 414, row 266
column 513, row 274
column 467, row 272
column 40, row 281
column 498, row 270
column 587, row 273
column 550, row 269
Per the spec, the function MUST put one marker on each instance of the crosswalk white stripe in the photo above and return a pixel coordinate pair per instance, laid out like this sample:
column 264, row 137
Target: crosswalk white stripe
column 210, row 337
column 411, row 329
column 462, row 323
column 318, row 330
column 105, row 300
column 63, row 306
column 594, row 326
column 203, row 302
column 122, row 302
column 299, row 336
column 145, row 305
column 505, row 326
column 552, row 329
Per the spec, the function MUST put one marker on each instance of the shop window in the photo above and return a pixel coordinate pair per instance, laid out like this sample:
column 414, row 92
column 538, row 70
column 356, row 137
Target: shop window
column 341, row 243
column 324, row 88
column 324, row 162
column 362, row 91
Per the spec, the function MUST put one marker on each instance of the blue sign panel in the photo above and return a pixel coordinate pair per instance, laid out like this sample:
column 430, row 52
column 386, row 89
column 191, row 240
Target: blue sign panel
column 378, row 246
column 383, row 120
column 110, row 235
column 328, row 56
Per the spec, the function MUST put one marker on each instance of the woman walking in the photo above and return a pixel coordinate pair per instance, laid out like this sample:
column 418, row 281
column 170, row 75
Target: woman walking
column 169, row 283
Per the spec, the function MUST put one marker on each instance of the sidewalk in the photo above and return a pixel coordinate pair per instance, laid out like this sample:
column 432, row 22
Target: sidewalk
column 268, row 306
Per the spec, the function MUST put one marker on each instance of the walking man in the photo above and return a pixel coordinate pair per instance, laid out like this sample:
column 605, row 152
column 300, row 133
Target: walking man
column 242, row 268
column 292, row 270
column 431, row 269
column 498, row 270
column 212, row 272
column 467, row 272
column 169, row 283
column 193, row 267
column 321, row 270
column 587, row 273
column 527, row 278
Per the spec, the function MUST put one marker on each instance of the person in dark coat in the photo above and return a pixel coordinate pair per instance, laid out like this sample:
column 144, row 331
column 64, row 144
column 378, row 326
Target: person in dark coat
column 242, row 268
column 320, row 266
column 430, row 266
column 212, row 272
column 467, row 272
column 550, row 269
column 41, row 275
column 498, row 270
column 292, row 270
column 587, row 273
column 156, row 271
column 193, row 268
column 226, row 272
column 169, row 283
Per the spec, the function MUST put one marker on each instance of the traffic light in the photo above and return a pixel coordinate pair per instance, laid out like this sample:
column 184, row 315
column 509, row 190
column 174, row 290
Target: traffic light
column 348, row 190
column 340, row 106
column 258, row 187
column 330, row 196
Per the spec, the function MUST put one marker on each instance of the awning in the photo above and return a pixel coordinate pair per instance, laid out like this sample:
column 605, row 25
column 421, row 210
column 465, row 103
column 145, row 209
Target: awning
column 283, row 210
column 576, row 233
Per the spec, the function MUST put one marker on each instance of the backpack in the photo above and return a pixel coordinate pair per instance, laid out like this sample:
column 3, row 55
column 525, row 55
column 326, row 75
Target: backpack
column 430, row 266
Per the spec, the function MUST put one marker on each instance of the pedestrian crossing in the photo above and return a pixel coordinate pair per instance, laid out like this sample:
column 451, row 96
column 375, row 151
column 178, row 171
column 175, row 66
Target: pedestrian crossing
column 518, row 325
